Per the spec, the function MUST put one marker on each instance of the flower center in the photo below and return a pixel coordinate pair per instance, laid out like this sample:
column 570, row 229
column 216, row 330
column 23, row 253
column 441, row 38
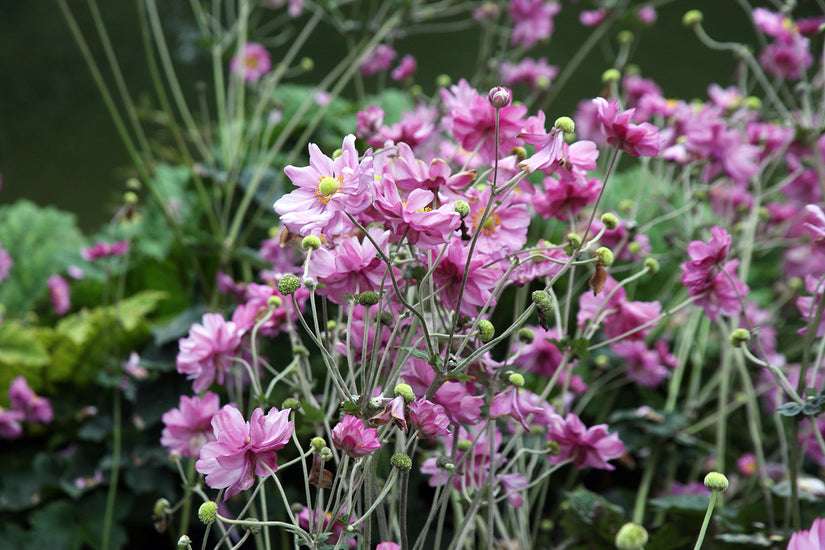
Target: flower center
column 327, row 187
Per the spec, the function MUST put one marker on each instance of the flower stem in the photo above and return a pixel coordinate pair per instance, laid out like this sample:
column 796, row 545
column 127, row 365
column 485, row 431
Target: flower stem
column 705, row 523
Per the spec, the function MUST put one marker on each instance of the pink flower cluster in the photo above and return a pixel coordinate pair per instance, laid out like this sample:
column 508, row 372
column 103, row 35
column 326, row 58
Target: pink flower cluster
column 26, row 406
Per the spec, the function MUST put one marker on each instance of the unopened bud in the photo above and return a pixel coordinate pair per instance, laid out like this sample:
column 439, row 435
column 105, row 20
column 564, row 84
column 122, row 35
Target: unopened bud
column 317, row 443
column 445, row 463
column 716, row 482
column 500, row 97
column 652, row 265
column 307, row 64
column 401, row 461
column 184, row 543
column 739, row 336
column 692, row 18
column 753, row 103
column 290, row 403
column 130, row 197
column 631, row 536
column 553, row 447
column 161, row 507
column 311, row 242
column 610, row 221
column 405, row 391
column 601, row 361
column 443, row 80
column 542, row 300
column 604, row 254
column 611, row 75
column 463, row 208
column 526, row 335
column 309, row 282
column 464, row 445
column 520, row 152
column 208, row 512
column 565, row 124
column 274, row 302
column 368, row 298
column 486, row 330
column 574, row 239
column 624, row 37
column 288, row 285
column 326, row 454
column 516, row 379
column 337, row 153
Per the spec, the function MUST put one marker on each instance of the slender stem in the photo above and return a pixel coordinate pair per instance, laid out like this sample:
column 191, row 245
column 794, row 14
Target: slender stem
column 115, row 473
column 706, row 521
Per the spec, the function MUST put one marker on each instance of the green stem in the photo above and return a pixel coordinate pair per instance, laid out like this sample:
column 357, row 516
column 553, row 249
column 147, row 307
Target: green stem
column 705, row 523
column 115, row 473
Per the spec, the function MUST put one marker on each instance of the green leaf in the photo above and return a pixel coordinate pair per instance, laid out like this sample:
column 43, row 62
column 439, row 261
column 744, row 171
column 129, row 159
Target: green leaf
column 21, row 353
column 590, row 519
column 682, row 503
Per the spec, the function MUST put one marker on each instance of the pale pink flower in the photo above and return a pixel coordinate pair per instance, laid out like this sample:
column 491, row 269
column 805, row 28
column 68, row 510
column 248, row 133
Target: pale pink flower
column 618, row 315
column 812, row 539
column 414, row 128
column 60, row 294
column 395, row 411
column 565, row 196
column 414, row 218
column 450, row 272
column 387, row 546
column 189, row 427
column 243, row 450
column 35, row 409
column 815, row 224
column 638, row 140
column 405, row 69
column 379, row 59
column 253, row 63
column 409, row 173
column 645, row 366
column 103, row 250
column 513, row 402
column 207, row 352
column 6, row 263
column 584, row 446
column 325, row 523
column 369, row 122
column 532, row 20
column 10, row 427
column 353, row 437
column 505, row 229
column 591, row 18
column 534, row 73
column 327, row 191
column 647, row 14
column 513, row 484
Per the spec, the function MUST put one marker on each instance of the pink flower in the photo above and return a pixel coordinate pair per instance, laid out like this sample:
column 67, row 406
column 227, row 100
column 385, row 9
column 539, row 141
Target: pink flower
column 405, row 69
column 327, row 191
column 534, row 73
column 430, row 419
column 815, row 224
column 618, row 314
column 35, row 409
column 505, row 229
column 584, row 446
column 325, row 523
column 450, row 272
column 369, row 122
column 253, row 64
column 512, row 402
column 591, row 18
column 532, row 20
column 294, row 7
column 458, row 403
column 5, row 263
column 10, row 427
column 207, row 352
column 647, row 367
column 243, row 450
column 189, row 427
column 410, row 173
column 387, row 546
column 379, row 59
column 394, row 411
column 414, row 128
column 415, row 218
column 103, row 250
column 647, row 14
column 353, row 437
column 513, row 485
column 746, row 464
column 565, row 196
column 812, row 539
column 541, row 355
column 638, row 140
column 60, row 294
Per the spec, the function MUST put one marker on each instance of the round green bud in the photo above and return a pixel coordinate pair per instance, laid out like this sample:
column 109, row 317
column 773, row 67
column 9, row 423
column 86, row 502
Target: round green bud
column 610, row 221
column 161, row 507
column 273, row 232
column 463, row 208
column 464, row 445
column 130, row 197
column 317, row 443
column 547, row 524
column 443, row 80
column 632, row 68
column 274, row 301
column 565, row 124
column 337, row 153
column 486, row 330
column 133, row 184
column 601, row 361
column 716, row 482
column 307, row 64
column 625, row 205
column 445, row 463
column 368, row 298
column 692, row 18
column 311, row 242
column 327, row 186
column 387, row 319
column 416, row 90
column 542, row 300
column 253, row 526
column 624, row 37
column 331, row 324
column 605, row 255
column 520, row 152
column 208, row 512
column 652, row 265
column 288, row 285
column 553, row 447
column 753, row 103
column 611, row 75
column 764, row 214
column 700, row 195
column 542, row 83
column 326, row 454
column 574, row 239
column 536, row 430
column 309, row 282
column 795, row 284
column 516, row 379
column 739, row 336
column 401, row 461
column 184, row 543
column 631, row 536
column 634, row 247
column 526, row 335
column 290, row 403
column 405, row 391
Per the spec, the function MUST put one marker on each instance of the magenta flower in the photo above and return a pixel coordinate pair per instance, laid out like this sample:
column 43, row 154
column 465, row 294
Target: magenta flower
column 647, row 14
column 534, row 73
column 541, row 355
column 638, row 140
column 458, row 403
column 532, row 20
column 430, row 419
column 414, row 128
column 325, row 523
column 104, row 250
column 618, row 314
column 513, row 402
column 10, row 427
column 387, row 546
column 565, row 196
column 591, row 18
column 394, row 411
column 815, row 224
column 207, row 352
column 505, row 229
column 647, row 367
column 584, row 446
column 405, row 69
column 379, row 59
column 513, row 485
column 5, row 263
column 253, row 64
column 450, row 271
column 189, row 427
column 812, row 539
column 35, row 409
column 327, row 191
column 369, row 121
column 353, row 437
column 410, row 173
column 415, row 218
column 243, row 450
column 60, row 294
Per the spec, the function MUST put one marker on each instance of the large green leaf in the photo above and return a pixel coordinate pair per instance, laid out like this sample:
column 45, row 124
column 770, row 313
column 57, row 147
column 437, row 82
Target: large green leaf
column 21, row 353
column 41, row 242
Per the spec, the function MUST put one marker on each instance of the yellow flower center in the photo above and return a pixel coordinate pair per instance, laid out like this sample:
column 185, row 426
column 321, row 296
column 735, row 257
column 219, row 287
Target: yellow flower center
column 327, row 187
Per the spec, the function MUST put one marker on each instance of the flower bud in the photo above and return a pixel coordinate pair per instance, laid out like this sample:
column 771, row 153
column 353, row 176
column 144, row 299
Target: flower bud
column 464, row 445
column 290, row 403
column 542, row 300
column 519, row 152
column 337, row 153
column 716, row 482
column 300, row 350
column 326, row 454
column 307, row 64
column 462, row 208
column 553, row 447
column 631, row 536
column 565, row 124
column 368, row 298
column 652, row 265
column 208, row 512
column 486, row 330
column 574, row 239
column 401, row 461
column 309, row 282
column 133, row 184
column 605, row 255
column 443, row 80
column 288, row 285
column 500, row 97
column 317, row 443
column 753, row 103
column 625, row 205
column 405, row 391
column 130, row 197
column 274, row 302
column 601, row 361
column 624, row 37
column 161, row 507
column 692, row 18
column 610, row 221
column 611, row 75
column 311, row 242
column 184, row 543
column 444, row 463
column 516, row 379
column 739, row 336
column 634, row 248
column 526, row 335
